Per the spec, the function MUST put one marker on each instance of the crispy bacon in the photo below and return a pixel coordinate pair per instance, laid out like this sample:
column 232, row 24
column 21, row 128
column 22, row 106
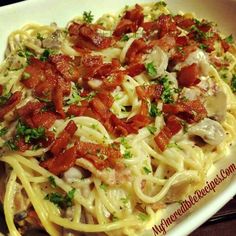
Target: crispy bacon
column 152, row 92
column 62, row 141
column 99, row 155
column 172, row 127
column 67, row 66
column 1, row 90
column 29, row 109
column 22, row 145
column 190, row 111
column 58, row 101
column 10, row 104
column 42, row 119
column 61, row 162
column 189, row 75
column 183, row 22
column 181, row 54
column 33, row 73
column 166, row 43
column 166, row 25
column 136, row 51
column 135, row 69
column 130, row 21
column 85, row 36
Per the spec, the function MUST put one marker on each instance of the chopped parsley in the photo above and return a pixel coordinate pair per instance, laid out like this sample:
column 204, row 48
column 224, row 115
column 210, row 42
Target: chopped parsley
column 29, row 134
column 52, row 181
column 40, row 37
column 143, row 217
column 103, row 186
column 174, row 145
column 62, row 201
column 75, row 96
column 4, row 99
column 229, row 39
column 26, row 76
column 151, row 70
column 154, row 111
column 88, row 17
column 124, row 200
column 11, row 145
column 26, row 53
column 45, row 55
column 3, row 131
column 125, row 38
column 233, row 83
column 167, row 91
column 152, row 129
column 127, row 155
column 160, row 4
column 203, row 46
column 124, row 142
column 146, row 170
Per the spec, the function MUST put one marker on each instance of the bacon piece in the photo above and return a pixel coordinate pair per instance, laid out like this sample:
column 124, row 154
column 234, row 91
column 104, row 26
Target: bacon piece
column 183, row 22
column 189, row 75
column 29, row 108
column 136, row 51
column 43, row 119
column 139, row 121
column 1, row 90
column 85, row 36
column 225, row 45
column 130, row 21
column 61, row 162
column 10, row 104
column 76, row 110
column 172, row 127
column 190, row 111
column 49, row 138
column 153, row 92
column 166, row 25
column 68, row 67
column 33, row 73
column 116, row 80
column 58, row 101
column 99, row 155
column 33, row 218
column 100, row 108
column 166, row 43
column 182, row 41
column 135, row 69
column 22, row 146
column 62, row 141
column 32, row 115
column 181, row 54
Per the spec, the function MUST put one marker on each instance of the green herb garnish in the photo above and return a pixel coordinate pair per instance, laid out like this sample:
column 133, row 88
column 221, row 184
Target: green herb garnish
column 88, row 17
column 4, row 99
column 233, row 83
column 152, row 129
column 146, row 170
column 3, row 131
column 62, row 201
column 45, row 55
column 52, row 181
column 151, row 70
column 154, row 111
column 103, row 186
column 29, row 134
column 229, row 39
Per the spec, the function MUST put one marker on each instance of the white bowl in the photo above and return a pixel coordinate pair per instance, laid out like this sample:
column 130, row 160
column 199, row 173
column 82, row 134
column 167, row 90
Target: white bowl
column 222, row 12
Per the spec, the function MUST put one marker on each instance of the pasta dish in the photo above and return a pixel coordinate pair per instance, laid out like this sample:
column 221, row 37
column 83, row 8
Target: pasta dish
column 104, row 124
